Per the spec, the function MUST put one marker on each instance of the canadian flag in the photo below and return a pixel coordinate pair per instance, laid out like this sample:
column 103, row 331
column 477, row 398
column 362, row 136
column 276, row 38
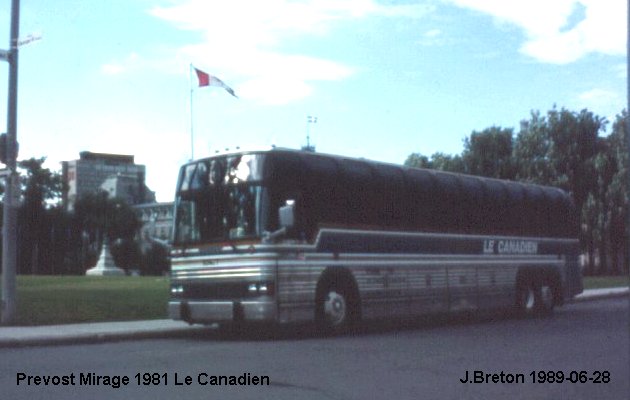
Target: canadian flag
column 206, row 79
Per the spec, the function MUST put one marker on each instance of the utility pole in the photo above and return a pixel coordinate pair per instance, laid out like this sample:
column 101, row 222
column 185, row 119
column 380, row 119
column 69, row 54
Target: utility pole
column 9, row 226
column 628, row 128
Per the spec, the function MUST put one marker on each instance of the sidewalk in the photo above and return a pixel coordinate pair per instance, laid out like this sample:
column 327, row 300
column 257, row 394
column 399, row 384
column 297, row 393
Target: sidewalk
column 112, row 331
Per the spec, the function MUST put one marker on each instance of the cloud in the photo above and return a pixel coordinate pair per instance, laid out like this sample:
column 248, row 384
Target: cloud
column 561, row 31
column 433, row 37
column 432, row 33
column 600, row 98
column 257, row 22
column 134, row 62
column 118, row 67
column 595, row 94
column 243, row 39
column 605, row 102
column 113, row 69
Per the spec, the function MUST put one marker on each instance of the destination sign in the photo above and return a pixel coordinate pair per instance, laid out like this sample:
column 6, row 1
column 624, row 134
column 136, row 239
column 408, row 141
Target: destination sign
column 510, row 246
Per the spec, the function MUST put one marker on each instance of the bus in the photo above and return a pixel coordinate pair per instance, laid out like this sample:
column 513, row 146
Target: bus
column 283, row 236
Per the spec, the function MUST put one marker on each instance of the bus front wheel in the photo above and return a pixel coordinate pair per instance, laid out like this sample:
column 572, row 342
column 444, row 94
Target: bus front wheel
column 336, row 308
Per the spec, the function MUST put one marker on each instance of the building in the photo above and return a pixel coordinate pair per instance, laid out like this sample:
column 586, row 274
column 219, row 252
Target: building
column 127, row 188
column 116, row 174
column 157, row 222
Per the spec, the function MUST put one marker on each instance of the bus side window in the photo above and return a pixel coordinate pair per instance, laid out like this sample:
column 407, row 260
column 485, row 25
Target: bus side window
column 200, row 179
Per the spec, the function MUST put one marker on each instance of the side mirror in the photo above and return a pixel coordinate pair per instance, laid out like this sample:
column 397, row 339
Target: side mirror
column 286, row 215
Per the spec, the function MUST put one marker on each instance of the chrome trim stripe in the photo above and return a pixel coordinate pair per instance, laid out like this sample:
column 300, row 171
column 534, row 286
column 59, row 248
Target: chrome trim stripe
column 413, row 263
column 222, row 258
column 437, row 257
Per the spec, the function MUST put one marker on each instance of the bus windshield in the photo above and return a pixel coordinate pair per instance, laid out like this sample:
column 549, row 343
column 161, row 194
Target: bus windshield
column 220, row 199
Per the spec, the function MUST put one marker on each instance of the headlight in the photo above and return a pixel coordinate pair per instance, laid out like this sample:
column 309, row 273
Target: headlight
column 260, row 288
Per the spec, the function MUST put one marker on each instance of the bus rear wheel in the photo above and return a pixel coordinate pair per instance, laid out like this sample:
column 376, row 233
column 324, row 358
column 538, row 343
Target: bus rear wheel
column 547, row 300
column 526, row 299
column 535, row 296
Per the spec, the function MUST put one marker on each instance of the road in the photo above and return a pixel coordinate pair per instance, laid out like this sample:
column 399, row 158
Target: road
column 427, row 360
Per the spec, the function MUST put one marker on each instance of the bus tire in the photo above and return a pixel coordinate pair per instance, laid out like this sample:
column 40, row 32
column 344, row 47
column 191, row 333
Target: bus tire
column 535, row 296
column 548, row 295
column 337, row 306
column 526, row 296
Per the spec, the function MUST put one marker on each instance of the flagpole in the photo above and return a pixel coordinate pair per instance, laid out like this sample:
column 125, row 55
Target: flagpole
column 192, row 146
column 204, row 79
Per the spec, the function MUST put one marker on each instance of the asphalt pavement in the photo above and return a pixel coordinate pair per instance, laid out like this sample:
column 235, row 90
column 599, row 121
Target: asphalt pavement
column 17, row 336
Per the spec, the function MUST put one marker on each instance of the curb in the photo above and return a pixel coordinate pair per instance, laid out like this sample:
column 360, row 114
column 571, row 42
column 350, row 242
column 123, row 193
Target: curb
column 602, row 294
column 49, row 339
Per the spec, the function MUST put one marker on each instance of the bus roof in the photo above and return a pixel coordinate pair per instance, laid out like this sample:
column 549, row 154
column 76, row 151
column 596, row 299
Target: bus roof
column 452, row 192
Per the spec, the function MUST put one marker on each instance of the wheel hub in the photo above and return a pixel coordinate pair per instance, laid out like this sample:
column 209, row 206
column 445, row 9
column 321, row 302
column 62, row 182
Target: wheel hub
column 335, row 308
column 530, row 300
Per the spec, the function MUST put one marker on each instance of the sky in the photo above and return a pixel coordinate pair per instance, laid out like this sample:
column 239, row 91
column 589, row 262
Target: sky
column 384, row 78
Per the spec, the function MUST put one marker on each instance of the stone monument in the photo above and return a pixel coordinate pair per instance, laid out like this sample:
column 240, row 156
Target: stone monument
column 105, row 265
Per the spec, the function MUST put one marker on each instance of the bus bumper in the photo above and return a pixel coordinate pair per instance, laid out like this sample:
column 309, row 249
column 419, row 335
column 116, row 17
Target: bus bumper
column 222, row 311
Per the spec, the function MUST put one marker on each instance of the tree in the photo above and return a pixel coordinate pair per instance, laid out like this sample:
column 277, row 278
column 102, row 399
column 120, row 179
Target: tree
column 155, row 261
column 574, row 144
column 417, row 160
column 532, row 151
column 563, row 149
column 40, row 186
column 599, row 228
column 489, row 153
column 618, row 195
column 447, row 162
column 439, row 161
column 41, row 191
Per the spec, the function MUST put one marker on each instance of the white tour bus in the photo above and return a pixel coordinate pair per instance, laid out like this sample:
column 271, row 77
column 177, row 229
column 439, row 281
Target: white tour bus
column 286, row 236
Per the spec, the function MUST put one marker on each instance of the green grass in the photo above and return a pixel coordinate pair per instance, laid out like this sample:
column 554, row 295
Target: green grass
column 44, row 300
column 598, row 282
